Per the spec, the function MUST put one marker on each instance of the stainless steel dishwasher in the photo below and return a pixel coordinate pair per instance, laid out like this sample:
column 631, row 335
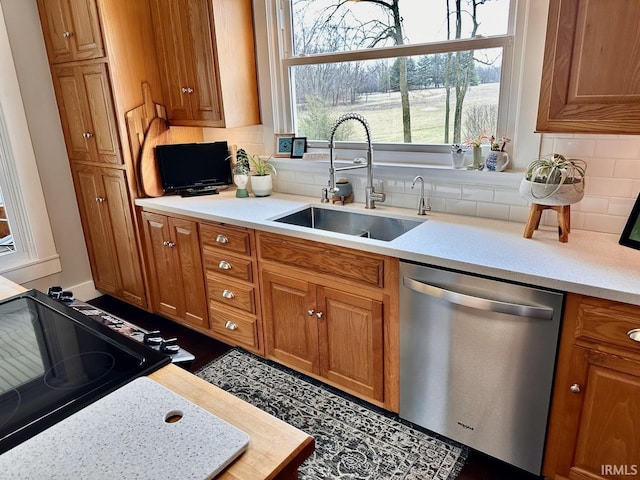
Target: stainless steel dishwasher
column 477, row 359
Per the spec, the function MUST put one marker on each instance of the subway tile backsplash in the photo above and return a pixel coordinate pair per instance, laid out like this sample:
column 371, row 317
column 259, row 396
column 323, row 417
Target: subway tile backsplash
column 613, row 182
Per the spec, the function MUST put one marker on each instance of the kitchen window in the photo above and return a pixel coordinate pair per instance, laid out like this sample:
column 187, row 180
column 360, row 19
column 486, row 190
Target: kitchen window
column 424, row 74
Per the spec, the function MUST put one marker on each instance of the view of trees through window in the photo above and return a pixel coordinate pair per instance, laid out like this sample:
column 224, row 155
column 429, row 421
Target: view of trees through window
column 447, row 94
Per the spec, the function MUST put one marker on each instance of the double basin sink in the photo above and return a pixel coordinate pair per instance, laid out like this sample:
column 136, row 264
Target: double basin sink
column 350, row 223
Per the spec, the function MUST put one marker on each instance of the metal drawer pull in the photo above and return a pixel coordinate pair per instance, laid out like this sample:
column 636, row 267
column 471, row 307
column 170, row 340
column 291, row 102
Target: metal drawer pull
column 575, row 388
column 222, row 239
column 168, row 244
column 87, row 134
column 228, row 294
column 99, row 199
column 478, row 303
column 224, row 265
column 230, row 325
column 634, row 334
column 67, row 34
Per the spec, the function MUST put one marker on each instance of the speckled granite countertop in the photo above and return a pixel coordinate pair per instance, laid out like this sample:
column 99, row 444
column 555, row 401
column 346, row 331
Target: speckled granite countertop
column 590, row 263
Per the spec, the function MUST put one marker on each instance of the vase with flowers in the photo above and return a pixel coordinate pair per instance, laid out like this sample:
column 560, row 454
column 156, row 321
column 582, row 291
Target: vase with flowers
column 241, row 170
column 498, row 159
column 476, row 147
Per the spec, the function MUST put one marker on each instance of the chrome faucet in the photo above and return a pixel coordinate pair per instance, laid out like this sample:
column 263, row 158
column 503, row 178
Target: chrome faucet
column 371, row 196
column 423, row 207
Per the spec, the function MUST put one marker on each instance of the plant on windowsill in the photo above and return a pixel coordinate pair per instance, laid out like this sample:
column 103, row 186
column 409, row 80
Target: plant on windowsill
column 554, row 180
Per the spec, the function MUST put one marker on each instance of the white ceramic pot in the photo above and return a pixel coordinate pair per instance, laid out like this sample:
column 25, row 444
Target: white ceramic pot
column 262, row 185
column 551, row 194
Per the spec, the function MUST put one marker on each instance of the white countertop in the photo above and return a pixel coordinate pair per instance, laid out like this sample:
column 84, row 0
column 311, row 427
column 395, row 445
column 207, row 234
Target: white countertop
column 590, row 263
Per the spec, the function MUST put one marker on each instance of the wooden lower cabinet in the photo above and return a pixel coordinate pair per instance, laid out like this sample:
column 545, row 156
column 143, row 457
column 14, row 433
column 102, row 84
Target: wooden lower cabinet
column 595, row 422
column 325, row 331
column 175, row 269
column 323, row 318
column 233, row 292
column 107, row 221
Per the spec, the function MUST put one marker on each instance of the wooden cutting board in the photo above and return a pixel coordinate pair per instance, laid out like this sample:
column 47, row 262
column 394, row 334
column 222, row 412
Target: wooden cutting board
column 150, row 180
column 128, row 434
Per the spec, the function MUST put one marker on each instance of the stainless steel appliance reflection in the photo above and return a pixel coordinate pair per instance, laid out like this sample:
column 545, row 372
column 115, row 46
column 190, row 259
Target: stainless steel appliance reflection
column 477, row 358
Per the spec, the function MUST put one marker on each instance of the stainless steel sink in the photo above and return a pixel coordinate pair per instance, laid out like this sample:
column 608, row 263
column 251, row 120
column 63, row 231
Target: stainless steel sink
column 351, row 223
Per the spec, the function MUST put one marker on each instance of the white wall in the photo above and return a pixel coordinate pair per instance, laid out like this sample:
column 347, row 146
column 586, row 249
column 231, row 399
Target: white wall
column 27, row 46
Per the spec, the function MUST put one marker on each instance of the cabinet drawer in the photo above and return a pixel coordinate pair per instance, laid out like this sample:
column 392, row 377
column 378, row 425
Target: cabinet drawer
column 228, row 266
column 236, row 329
column 230, row 293
column 230, row 239
column 608, row 322
column 314, row 256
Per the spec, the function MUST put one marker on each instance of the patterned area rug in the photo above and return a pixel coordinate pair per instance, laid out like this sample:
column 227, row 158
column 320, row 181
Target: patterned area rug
column 353, row 441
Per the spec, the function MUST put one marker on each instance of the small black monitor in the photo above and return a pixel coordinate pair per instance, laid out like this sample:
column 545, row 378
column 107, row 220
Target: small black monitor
column 194, row 166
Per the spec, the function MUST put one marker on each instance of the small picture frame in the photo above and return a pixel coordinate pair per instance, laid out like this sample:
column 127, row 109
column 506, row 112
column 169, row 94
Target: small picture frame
column 284, row 144
column 631, row 234
column 299, row 147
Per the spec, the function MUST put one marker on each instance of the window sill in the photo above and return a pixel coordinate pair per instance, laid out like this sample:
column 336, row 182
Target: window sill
column 441, row 173
column 23, row 272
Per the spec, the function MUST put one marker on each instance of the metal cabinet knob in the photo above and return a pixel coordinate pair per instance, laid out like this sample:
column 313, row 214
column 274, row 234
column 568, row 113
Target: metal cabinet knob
column 319, row 314
column 100, row 199
column 67, row 34
column 634, row 334
column 168, row 244
column 186, row 90
column 230, row 325
column 310, row 312
column 575, row 388
column 87, row 134
column 223, row 265
column 222, row 239
column 228, row 294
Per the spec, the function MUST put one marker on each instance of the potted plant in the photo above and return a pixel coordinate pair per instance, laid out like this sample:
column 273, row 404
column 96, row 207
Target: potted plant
column 554, row 180
column 261, row 181
column 241, row 170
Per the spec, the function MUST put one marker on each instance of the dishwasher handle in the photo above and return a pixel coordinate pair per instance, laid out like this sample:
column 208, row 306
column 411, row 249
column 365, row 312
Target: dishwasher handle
column 479, row 303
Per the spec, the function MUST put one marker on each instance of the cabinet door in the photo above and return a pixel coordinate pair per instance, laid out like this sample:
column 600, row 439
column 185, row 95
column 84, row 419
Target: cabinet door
column 97, row 228
column 590, row 82
column 602, row 417
column 174, row 55
column 351, row 341
column 87, row 113
column 118, row 206
column 71, row 30
column 107, row 222
column 290, row 322
column 166, row 286
column 189, row 271
column 184, row 42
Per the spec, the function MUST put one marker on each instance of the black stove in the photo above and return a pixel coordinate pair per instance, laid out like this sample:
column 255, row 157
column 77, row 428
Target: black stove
column 55, row 360
column 151, row 338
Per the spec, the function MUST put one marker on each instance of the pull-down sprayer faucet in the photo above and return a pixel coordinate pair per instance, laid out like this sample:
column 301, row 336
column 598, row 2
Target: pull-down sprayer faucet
column 371, row 196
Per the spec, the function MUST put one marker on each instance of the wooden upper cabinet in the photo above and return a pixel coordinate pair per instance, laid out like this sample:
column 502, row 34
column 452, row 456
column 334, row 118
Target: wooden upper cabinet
column 71, row 30
column 87, row 113
column 590, row 80
column 207, row 61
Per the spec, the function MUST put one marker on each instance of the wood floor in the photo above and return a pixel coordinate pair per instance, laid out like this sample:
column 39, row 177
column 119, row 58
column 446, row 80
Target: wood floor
column 205, row 349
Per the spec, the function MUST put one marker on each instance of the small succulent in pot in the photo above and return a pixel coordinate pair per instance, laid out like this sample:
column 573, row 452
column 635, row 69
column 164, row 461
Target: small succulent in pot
column 261, row 166
column 554, row 180
column 556, row 169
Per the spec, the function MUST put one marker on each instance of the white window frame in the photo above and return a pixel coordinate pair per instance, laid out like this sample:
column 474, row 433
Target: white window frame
column 35, row 255
column 281, row 59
